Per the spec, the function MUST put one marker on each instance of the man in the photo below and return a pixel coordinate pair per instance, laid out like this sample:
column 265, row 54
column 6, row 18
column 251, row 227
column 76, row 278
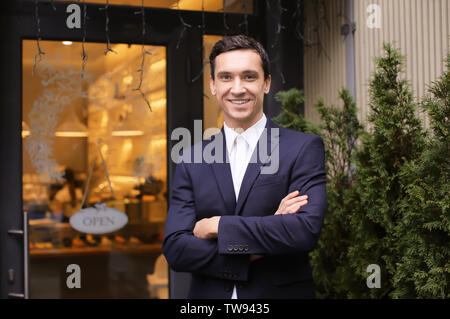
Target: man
column 240, row 231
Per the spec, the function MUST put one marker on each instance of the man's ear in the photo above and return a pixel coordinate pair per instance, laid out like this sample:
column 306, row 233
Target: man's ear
column 267, row 84
column 212, row 86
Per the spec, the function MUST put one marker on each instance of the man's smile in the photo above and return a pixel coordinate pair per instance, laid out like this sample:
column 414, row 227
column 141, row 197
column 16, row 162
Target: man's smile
column 239, row 101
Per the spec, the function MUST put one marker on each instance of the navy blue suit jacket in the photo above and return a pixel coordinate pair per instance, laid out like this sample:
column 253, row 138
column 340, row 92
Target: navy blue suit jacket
column 202, row 190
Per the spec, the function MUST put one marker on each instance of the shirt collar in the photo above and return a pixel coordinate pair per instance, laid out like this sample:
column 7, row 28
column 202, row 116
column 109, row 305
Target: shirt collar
column 251, row 135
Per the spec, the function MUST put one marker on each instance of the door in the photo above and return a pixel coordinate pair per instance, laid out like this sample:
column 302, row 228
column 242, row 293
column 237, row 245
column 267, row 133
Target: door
column 87, row 115
column 90, row 141
column 91, row 136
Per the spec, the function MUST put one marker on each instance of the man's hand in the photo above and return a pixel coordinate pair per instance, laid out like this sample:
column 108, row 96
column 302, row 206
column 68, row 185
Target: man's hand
column 292, row 203
column 207, row 228
column 288, row 205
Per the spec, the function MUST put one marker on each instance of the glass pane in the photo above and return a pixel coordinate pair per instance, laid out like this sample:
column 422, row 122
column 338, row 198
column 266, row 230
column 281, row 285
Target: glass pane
column 233, row 6
column 92, row 143
column 212, row 113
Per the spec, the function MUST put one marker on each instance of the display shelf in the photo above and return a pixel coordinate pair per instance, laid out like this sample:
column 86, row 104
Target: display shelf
column 94, row 251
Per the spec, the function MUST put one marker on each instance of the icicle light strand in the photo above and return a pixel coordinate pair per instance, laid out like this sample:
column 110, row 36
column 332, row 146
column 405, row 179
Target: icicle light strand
column 108, row 41
column 40, row 53
column 144, row 53
column 245, row 22
column 83, row 51
column 225, row 25
column 202, row 27
column 183, row 23
column 279, row 27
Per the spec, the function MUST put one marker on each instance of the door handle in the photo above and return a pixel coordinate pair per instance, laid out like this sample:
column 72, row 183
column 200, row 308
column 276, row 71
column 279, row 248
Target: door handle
column 26, row 258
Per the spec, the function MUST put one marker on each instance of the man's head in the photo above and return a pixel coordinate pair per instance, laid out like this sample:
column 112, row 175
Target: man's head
column 239, row 42
column 239, row 79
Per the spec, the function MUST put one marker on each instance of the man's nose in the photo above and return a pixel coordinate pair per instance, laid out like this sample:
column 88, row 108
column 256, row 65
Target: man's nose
column 237, row 87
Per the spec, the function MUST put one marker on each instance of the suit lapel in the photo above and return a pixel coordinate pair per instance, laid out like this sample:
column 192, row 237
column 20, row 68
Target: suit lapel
column 224, row 180
column 254, row 167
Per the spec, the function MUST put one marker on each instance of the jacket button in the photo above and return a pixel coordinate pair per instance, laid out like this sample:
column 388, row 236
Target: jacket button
column 230, row 248
column 241, row 248
column 246, row 248
column 236, row 247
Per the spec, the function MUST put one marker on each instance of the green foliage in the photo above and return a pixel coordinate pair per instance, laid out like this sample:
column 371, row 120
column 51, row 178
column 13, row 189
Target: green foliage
column 395, row 140
column 388, row 188
column 290, row 116
column 424, row 270
column 340, row 131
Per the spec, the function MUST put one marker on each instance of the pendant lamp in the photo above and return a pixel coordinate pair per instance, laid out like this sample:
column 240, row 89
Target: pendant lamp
column 71, row 127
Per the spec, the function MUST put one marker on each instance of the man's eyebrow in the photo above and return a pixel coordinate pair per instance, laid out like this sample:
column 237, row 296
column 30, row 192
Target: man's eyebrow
column 223, row 73
column 243, row 72
column 250, row 72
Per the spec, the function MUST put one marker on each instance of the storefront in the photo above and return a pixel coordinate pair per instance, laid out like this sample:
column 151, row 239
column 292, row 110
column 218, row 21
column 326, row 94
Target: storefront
column 87, row 118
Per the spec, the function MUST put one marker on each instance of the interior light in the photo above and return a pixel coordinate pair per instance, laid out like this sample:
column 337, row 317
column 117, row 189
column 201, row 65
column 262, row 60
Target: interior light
column 67, row 42
column 71, row 134
column 127, row 133
column 128, row 79
column 71, row 127
column 158, row 103
column 25, row 129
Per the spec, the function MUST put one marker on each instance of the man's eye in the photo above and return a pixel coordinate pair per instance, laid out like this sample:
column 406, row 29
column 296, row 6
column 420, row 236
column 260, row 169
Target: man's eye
column 225, row 77
column 250, row 77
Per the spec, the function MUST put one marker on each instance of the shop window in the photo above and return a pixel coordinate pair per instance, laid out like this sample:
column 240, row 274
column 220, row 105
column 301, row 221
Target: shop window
column 90, row 138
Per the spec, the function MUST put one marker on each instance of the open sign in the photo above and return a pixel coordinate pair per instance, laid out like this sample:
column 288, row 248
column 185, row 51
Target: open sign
column 99, row 219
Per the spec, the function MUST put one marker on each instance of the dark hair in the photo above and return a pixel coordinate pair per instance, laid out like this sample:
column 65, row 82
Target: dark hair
column 239, row 42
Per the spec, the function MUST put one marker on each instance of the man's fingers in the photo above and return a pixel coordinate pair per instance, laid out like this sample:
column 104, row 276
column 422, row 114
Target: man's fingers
column 292, row 203
column 290, row 195
column 292, row 209
column 294, row 200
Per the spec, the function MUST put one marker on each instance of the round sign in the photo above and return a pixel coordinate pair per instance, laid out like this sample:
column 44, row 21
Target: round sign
column 99, row 219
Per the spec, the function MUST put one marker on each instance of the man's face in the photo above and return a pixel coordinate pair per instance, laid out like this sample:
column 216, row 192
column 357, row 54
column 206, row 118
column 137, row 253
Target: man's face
column 239, row 87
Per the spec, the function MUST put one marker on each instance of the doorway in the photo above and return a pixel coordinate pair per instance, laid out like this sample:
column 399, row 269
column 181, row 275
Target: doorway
column 76, row 136
column 72, row 124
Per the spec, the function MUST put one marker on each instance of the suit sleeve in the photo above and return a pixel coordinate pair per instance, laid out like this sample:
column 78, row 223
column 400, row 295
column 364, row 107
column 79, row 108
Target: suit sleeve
column 187, row 253
column 290, row 233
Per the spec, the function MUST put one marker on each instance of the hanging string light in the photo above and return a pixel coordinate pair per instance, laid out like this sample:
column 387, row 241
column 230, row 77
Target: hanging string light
column 279, row 27
column 83, row 51
column 144, row 53
column 40, row 53
column 320, row 16
column 183, row 23
column 202, row 28
column 297, row 15
column 245, row 22
column 108, row 42
column 225, row 25
column 277, row 18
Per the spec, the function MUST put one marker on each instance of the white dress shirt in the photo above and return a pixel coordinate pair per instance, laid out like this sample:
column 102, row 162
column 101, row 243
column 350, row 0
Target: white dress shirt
column 240, row 147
